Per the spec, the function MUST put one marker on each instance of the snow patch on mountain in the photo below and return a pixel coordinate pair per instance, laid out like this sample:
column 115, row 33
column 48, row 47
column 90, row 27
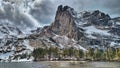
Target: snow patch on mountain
column 26, row 43
column 65, row 42
column 6, row 55
column 93, row 29
column 12, row 42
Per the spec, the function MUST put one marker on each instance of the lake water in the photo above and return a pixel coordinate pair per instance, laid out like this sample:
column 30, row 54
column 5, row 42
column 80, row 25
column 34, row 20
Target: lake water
column 61, row 64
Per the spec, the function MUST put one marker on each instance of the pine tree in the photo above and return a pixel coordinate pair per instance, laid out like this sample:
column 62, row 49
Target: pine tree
column 91, row 53
column 38, row 53
column 81, row 53
column 71, row 51
column 118, row 53
column 97, row 54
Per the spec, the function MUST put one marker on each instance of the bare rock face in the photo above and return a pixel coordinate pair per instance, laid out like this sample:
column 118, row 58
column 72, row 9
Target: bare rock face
column 61, row 32
column 64, row 23
column 72, row 29
column 97, row 18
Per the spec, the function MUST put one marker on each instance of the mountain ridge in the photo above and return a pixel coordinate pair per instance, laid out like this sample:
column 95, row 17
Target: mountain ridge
column 69, row 29
column 68, row 23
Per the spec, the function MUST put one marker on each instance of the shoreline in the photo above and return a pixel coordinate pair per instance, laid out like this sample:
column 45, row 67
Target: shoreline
column 83, row 61
column 58, row 61
column 86, row 60
column 77, row 60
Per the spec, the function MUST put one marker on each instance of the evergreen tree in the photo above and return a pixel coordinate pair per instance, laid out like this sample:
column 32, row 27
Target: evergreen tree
column 81, row 53
column 111, row 53
column 118, row 53
column 76, row 53
column 91, row 53
column 65, row 52
column 97, row 54
column 38, row 53
column 71, row 51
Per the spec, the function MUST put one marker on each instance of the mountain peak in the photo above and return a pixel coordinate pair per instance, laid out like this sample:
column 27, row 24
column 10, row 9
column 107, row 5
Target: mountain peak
column 64, row 8
column 97, row 18
column 64, row 23
column 87, row 29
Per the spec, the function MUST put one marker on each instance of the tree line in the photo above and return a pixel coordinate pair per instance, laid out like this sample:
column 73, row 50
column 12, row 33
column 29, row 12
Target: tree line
column 92, row 54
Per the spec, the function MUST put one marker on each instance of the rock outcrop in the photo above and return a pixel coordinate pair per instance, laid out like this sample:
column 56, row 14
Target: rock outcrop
column 64, row 24
column 86, row 28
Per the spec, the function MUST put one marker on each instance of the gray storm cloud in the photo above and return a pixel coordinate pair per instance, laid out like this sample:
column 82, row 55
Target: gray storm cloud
column 108, row 6
column 15, row 15
column 47, row 8
column 113, row 6
column 43, row 11
column 36, row 13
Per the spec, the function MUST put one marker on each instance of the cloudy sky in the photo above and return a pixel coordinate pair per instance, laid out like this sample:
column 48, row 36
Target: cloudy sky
column 48, row 7
column 111, row 7
column 36, row 13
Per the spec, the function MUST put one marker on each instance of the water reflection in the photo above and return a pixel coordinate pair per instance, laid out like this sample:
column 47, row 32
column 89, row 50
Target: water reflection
column 61, row 64
column 77, row 64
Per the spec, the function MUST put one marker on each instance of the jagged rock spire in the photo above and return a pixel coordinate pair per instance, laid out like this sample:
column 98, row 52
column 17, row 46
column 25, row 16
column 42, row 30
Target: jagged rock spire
column 64, row 23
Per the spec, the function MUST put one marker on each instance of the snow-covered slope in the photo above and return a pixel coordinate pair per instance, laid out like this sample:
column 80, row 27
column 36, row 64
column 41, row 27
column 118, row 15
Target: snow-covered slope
column 93, row 29
column 10, row 44
column 8, row 29
column 99, row 29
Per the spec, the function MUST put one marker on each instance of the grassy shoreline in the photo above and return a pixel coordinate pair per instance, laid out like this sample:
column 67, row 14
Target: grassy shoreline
column 82, row 60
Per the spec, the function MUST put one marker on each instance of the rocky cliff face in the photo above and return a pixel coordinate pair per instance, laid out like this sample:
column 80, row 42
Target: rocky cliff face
column 88, row 29
column 97, row 18
column 64, row 24
column 63, row 28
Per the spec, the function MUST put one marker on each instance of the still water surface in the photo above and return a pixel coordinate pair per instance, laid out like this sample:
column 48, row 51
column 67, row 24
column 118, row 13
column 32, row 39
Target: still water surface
column 61, row 64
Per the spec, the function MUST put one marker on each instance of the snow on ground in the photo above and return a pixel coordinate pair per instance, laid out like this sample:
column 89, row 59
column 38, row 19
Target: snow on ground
column 6, row 55
column 61, row 39
column 79, row 23
column 23, row 60
column 21, row 36
column 65, row 41
column 82, row 48
column 93, row 29
column 95, row 46
column 118, row 23
column 1, row 35
column 61, row 46
column 114, row 43
column 90, row 36
column 26, row 43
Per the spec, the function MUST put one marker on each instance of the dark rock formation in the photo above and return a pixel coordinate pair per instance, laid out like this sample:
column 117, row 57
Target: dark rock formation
column 64, row 23
column 87, row 29
column 97, row 18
